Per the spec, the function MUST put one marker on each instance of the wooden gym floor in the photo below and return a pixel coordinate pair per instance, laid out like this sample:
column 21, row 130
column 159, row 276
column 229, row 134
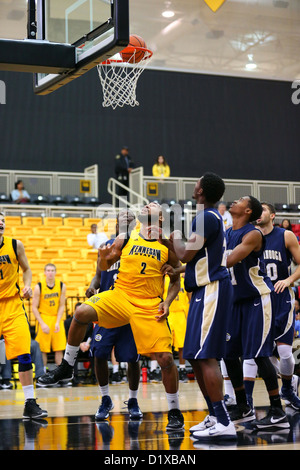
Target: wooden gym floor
column 71, row 425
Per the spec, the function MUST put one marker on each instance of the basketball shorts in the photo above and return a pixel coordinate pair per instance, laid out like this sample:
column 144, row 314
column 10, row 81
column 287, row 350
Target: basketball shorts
column 251, row 330
column 104, row 340
column 285, row 316
column 116, row 308
column 177, row 323
column 53, row 341
column 14, row 327
column 207, row 321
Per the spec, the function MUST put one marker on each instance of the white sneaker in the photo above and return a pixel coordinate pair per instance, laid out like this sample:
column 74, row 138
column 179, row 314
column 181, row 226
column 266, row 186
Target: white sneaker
column 207, row 423
column 217, row 431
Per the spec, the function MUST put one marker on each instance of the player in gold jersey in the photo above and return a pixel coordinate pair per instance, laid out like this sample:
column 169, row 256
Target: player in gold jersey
column 48, row 305
column 135, row 299
column 14, row 324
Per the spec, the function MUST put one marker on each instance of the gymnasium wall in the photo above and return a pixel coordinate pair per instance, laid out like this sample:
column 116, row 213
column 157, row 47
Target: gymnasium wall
column 239, row 128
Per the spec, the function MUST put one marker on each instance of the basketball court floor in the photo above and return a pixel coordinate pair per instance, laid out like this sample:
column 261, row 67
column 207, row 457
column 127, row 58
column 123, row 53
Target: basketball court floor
column 71, row 424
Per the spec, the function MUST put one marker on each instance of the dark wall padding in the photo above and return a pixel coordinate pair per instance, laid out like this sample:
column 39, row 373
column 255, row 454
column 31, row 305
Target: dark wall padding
column 239, row 128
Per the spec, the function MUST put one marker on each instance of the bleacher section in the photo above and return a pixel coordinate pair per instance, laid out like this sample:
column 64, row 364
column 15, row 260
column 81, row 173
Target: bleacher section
column 63, row 242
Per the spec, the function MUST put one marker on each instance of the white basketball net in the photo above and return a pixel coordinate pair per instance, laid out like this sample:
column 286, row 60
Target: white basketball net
column 119, row 81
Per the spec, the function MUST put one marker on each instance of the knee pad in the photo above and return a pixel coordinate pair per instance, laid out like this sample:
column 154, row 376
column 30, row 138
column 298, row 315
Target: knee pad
column 24, row 362
column 287, row 360
column 250, row 368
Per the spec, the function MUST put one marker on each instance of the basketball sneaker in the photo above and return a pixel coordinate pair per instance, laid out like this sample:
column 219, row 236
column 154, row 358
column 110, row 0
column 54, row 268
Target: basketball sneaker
column 276, row 418
column 104, row 409
column 207, row 423
column 175, row 420
column 217, row 431
column 241, row 414
column 134, row 409
column 290, row 398
column 32, row 410
column 61, row 374
column 183, row 375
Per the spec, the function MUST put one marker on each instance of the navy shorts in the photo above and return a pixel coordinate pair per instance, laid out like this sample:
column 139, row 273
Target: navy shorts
column 285, row 316
column 251, row 330
column 207, row 321
column 121, row 338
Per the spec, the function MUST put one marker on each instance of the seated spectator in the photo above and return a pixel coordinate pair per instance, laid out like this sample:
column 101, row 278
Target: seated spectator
column 226, row 216
column 161, row 168
column 19, row 195
column 95, row 238
column 286, row 224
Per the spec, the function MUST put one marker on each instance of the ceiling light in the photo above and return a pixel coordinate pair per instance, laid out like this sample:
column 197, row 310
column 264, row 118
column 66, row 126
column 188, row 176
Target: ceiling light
column 168, row 14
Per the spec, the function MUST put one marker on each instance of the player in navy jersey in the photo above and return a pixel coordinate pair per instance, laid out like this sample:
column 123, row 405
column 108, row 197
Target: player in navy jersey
column 281, row 246
column 121, row 338
column 251, row 330
column 207, row 278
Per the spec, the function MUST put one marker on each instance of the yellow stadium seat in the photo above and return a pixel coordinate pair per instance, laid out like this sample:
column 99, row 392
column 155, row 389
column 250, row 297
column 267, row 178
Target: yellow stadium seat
column 36, row 241
column 89, row 221
column 84, row 265
column 38, row 265
column 48, row 253
column 53, row 221
column 79, row 242
column 89, row 254
column 64, row 231
column 82, row 231
column 74, row 279
column 44, row 231
column 73, row 221
column 12, row 220
column 21, row 231
column 32, row 253
column 32, row 221
column 71, row 253
column 8, row 231
column 57, row 242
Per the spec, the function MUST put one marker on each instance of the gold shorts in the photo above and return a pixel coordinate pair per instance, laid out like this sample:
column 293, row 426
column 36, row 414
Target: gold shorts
column 115, row 308
column 14, row 327
column 52, row 341
column 177, row 323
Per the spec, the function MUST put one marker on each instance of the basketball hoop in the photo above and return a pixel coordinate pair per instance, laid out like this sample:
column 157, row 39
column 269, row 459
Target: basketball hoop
column 119, row 76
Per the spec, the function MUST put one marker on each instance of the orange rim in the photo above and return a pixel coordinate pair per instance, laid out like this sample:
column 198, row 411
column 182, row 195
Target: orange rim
column 128, row 50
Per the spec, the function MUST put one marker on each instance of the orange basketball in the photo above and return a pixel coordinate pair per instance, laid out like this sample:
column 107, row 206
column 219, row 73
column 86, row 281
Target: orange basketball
column 128, row 54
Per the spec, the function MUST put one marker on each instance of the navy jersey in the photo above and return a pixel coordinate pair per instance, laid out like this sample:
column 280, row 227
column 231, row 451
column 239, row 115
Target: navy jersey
column 248, row 277
column 108, row 277
column 208, row 264
column 276, row 257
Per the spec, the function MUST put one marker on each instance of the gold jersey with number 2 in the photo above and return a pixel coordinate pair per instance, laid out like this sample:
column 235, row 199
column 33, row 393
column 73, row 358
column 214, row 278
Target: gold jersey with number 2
column 140, row 267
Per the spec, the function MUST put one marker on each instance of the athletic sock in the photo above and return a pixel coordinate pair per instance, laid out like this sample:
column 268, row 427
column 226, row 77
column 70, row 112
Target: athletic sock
column 104, row 390
column 275, row 401
column 210, row 407
column 221, row 412
column 71, row 353
column 173, row 400
column 28, row 391
column 133, row 393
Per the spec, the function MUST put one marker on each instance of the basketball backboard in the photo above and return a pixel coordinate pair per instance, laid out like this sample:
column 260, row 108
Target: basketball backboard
column 65, row 39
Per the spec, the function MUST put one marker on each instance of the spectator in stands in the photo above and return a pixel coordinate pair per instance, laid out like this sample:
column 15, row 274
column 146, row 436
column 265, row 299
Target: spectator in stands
column 225, row 214
column 95, row 238
column 286, row 224
column 48, row 305
column 19, row 195
column 161, row 168
column 123, row 168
